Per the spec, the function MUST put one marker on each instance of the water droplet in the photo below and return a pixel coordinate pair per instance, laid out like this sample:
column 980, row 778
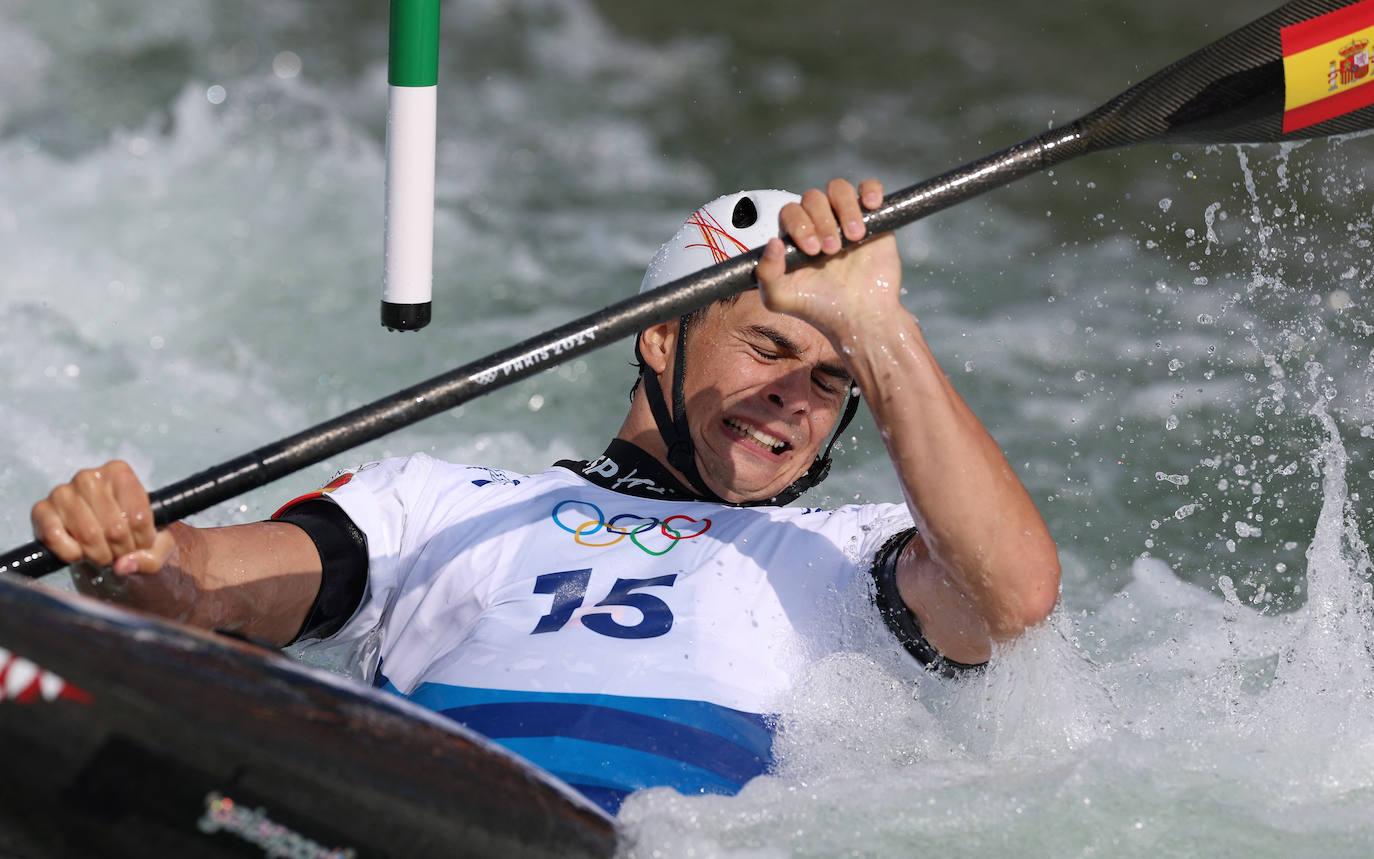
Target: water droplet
column 286, row 65
column 216, row 94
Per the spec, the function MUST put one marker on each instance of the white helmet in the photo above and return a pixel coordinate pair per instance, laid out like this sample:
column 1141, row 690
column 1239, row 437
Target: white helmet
column 725, row 227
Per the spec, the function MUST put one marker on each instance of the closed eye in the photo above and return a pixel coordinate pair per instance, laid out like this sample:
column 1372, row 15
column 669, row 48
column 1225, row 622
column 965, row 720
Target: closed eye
column 827, row 387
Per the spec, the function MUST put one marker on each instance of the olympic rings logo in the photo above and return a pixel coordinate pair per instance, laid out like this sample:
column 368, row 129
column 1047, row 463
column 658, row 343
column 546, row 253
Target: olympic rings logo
column 645, row 532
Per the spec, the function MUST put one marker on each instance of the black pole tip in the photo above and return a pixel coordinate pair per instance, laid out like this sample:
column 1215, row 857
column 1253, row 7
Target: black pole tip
column 405, row 317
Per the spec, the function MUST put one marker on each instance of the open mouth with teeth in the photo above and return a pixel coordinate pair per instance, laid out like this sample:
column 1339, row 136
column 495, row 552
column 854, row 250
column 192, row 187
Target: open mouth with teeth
column 756, row 438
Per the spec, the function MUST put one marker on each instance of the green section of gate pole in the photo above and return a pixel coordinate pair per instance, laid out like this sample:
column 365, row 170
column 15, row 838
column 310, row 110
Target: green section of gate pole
column 414, row 59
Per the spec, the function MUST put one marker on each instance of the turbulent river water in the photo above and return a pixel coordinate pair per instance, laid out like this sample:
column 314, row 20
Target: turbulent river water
column 1175, row 346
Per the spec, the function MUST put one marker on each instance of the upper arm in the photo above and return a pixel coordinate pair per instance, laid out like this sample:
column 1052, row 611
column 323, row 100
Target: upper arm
column 948, row 619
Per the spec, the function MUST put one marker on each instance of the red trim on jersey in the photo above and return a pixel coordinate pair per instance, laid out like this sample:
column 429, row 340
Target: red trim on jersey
column 311, row 496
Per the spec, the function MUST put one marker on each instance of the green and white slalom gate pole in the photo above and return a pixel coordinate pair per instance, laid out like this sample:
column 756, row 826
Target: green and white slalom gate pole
column 413, row 75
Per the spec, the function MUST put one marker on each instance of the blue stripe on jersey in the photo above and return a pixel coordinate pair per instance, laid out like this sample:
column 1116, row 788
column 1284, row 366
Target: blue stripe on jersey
column 749, row 730
column 615, row 767
column 610, row 745
column 613, row 727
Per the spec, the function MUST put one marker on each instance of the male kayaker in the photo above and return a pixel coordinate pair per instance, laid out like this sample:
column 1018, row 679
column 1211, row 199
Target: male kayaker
column 633, row 620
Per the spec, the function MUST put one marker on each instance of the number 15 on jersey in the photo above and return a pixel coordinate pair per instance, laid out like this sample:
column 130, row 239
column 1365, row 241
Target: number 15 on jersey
column 569, row 590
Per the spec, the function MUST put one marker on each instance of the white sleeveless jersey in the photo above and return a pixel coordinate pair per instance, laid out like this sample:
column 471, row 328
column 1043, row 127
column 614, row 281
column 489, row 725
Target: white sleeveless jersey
column 619, row 641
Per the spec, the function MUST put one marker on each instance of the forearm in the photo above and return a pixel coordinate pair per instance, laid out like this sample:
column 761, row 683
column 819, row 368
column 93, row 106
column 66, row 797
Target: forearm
column 978, row 521
column 257, row 580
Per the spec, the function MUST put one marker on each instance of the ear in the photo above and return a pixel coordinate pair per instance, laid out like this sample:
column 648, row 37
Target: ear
column 656, row 345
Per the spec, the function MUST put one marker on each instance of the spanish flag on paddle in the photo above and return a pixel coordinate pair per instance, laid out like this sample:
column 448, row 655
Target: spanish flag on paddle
column 1326, row 66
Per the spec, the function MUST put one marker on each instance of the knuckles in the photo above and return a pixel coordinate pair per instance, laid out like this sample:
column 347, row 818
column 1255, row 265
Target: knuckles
column 61, row 496
column 88, row 535
column 88, row 479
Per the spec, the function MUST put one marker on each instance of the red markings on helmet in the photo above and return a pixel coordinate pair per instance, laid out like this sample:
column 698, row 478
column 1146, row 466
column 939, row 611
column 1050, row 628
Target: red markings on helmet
column 711, row 234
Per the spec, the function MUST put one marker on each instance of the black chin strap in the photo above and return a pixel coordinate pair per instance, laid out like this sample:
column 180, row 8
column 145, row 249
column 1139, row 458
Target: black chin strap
column 678, row 440
column 672, row 428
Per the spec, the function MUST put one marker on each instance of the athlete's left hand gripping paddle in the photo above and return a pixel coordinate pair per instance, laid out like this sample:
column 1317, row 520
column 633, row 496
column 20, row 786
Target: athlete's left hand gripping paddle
column 413, row 75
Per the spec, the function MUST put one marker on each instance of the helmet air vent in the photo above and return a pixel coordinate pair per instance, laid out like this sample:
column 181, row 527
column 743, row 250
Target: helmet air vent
column 745, row 214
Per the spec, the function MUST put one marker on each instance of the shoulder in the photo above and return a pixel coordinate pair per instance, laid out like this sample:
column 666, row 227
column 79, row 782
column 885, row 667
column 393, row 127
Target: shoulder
column 859, row 530
column 442, row 474
column 417, row 481
column 850, row 520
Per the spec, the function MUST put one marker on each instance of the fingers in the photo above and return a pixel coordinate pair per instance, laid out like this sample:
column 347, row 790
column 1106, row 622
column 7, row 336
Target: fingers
column 111, row 522
column 817, row 206
column 49, row 530
column 772, row 267
column 132, row 498
column 845, row 201
column 871, row 193
column 147, row 561
column 811, row 224
column 823, row 219
column 797, row 224
column 79, row 520
column 102, row 515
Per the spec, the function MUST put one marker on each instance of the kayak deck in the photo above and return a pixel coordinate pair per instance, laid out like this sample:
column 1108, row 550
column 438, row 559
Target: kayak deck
column 125, row 735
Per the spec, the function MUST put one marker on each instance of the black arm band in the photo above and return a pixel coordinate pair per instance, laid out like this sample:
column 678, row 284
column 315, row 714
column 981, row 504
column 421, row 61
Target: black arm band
column 343, row 555
column 899, row 618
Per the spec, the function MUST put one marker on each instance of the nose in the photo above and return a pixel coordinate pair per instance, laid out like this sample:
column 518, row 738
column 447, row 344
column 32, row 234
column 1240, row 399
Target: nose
column 790, row 392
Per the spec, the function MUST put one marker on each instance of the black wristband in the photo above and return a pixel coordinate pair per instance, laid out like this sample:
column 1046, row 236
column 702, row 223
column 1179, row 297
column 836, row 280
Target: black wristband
column 899, row 618
column 343, row 557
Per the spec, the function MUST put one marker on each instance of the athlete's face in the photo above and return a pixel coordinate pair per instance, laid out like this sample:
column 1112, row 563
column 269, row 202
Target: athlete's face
column 763, row 392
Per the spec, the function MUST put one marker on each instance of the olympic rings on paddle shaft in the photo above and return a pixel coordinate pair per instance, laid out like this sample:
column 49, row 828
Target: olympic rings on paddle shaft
column 616, row 528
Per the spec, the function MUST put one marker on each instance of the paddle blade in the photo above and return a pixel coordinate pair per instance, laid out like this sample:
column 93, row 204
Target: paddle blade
column 1298, row 72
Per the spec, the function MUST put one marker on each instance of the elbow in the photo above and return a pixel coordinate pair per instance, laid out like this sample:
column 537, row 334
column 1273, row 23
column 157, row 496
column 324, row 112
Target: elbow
column 1033, row 599
column 1039, row 603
